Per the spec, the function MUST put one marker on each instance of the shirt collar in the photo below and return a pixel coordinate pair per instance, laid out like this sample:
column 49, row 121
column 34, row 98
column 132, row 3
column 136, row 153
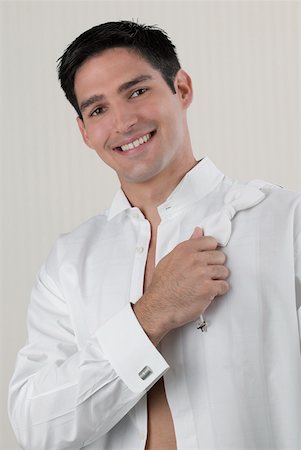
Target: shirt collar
column 120, row 203
column 196, row 184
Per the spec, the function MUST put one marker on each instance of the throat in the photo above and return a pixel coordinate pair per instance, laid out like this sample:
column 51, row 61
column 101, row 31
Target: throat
column 148, row 195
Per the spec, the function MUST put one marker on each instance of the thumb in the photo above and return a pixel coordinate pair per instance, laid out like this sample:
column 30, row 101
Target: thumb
column 197, row 233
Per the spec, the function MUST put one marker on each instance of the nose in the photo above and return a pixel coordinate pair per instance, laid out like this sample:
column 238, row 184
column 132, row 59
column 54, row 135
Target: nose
column 124, row 118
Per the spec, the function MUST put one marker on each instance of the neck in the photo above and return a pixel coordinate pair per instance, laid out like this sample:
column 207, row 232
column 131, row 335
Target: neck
column 147, row 196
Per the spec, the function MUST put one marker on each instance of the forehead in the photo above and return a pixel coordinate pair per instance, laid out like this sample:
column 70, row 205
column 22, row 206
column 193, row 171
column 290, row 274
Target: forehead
column 110, row 69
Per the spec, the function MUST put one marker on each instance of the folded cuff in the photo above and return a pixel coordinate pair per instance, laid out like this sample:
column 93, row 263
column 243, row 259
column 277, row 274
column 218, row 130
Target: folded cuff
column 131, row 353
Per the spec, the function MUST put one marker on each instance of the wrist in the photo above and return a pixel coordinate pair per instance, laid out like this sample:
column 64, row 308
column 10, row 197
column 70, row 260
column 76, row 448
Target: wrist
column 150, row 319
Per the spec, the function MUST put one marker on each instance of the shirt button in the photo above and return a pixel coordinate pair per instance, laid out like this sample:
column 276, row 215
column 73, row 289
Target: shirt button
column 140, row 250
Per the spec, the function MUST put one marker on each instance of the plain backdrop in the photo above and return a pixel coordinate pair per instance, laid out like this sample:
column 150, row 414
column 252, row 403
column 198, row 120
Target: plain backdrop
column 244, row 59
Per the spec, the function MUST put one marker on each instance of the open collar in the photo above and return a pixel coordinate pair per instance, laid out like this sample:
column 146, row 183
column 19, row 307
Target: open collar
column 196, row 184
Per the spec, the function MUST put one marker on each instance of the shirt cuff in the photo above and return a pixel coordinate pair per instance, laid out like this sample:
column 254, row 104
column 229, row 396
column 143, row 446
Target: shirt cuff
column 131, row 353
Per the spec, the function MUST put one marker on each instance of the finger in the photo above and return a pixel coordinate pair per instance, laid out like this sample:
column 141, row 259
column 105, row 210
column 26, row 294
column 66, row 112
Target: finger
column 221, row 287
column 218, row 272
column 204, row 243
column 197, row 233
column 213, row 257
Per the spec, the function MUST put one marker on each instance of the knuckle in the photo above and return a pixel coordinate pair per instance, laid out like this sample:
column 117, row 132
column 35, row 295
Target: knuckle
column 224, row 286
column 222, row 256
column 202, row 258
column 227, row 272
column 215, row 272
column 221, row 273
column 198, row 262
column 192, row 262
column 209, row 243
column 224, row 272
column 212, row 242
column 218, row 272
column 220, row 287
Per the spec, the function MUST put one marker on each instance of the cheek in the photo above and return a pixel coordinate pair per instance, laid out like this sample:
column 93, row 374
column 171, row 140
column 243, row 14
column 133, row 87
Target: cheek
column 168, row 113
column 98, row 135
column 172, row 129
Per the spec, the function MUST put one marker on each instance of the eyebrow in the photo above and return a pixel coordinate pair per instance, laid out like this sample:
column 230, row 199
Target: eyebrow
column 123, row 87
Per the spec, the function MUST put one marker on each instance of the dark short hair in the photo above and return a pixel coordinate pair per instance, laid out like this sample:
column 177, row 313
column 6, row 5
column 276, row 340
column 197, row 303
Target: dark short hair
column 150, row 42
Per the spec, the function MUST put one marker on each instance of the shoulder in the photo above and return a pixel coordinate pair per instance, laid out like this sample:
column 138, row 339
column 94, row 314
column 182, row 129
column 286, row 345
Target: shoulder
column 282, row 198
column 278, row 207
column 79, row 243
column 85, row 232
column 273, row 192
column 274, row 195
column 281, row 205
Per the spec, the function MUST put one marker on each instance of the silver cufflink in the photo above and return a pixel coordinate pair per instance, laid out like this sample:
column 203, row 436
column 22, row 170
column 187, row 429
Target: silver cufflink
column 145, row 372
column 202, row 324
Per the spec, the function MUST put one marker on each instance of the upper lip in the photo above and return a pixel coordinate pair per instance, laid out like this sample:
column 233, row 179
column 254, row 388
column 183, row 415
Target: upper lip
column 132, row 138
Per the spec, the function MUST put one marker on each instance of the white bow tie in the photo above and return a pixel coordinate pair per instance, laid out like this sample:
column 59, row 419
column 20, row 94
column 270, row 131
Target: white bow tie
column 238, row 198
column 219, row 224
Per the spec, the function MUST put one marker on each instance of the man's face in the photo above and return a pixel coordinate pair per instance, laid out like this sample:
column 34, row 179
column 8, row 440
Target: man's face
column 133, row 120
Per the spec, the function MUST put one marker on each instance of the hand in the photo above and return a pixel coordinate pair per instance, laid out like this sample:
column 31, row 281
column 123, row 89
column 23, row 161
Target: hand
column 183, row 285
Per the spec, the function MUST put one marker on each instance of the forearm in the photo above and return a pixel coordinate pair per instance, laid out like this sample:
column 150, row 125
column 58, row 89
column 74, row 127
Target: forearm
column 62, row 396
column 66, row 406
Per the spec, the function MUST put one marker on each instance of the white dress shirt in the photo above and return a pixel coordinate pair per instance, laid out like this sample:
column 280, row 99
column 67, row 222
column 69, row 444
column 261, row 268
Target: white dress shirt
column 80, row 382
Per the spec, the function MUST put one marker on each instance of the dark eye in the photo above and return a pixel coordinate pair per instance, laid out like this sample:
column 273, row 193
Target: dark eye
column 99, row 110
column 138, row 92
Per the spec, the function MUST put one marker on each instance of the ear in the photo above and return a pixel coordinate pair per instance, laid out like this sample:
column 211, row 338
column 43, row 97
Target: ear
column 83, row 132
column 183, row 86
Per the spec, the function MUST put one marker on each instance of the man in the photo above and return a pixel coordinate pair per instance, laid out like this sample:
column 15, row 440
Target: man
column 171, row 320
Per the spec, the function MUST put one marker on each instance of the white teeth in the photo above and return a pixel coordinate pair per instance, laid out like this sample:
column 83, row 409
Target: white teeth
column 136, row 143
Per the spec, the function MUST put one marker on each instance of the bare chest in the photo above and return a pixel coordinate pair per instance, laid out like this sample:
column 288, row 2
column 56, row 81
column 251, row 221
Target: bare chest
column 160, row 428
column 150, row 265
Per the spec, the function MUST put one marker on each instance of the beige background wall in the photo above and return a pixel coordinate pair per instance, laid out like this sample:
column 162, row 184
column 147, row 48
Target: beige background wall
column 244, row 58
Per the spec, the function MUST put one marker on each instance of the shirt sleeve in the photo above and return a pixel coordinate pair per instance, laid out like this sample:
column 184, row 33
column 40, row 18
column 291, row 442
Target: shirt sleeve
column 64, row 397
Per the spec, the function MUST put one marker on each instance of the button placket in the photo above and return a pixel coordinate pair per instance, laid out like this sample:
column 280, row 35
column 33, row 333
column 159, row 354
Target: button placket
column 139, row 249
column 136, row 290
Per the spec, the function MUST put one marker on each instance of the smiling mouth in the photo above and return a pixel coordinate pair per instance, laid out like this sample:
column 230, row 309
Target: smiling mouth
column 136, row 143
